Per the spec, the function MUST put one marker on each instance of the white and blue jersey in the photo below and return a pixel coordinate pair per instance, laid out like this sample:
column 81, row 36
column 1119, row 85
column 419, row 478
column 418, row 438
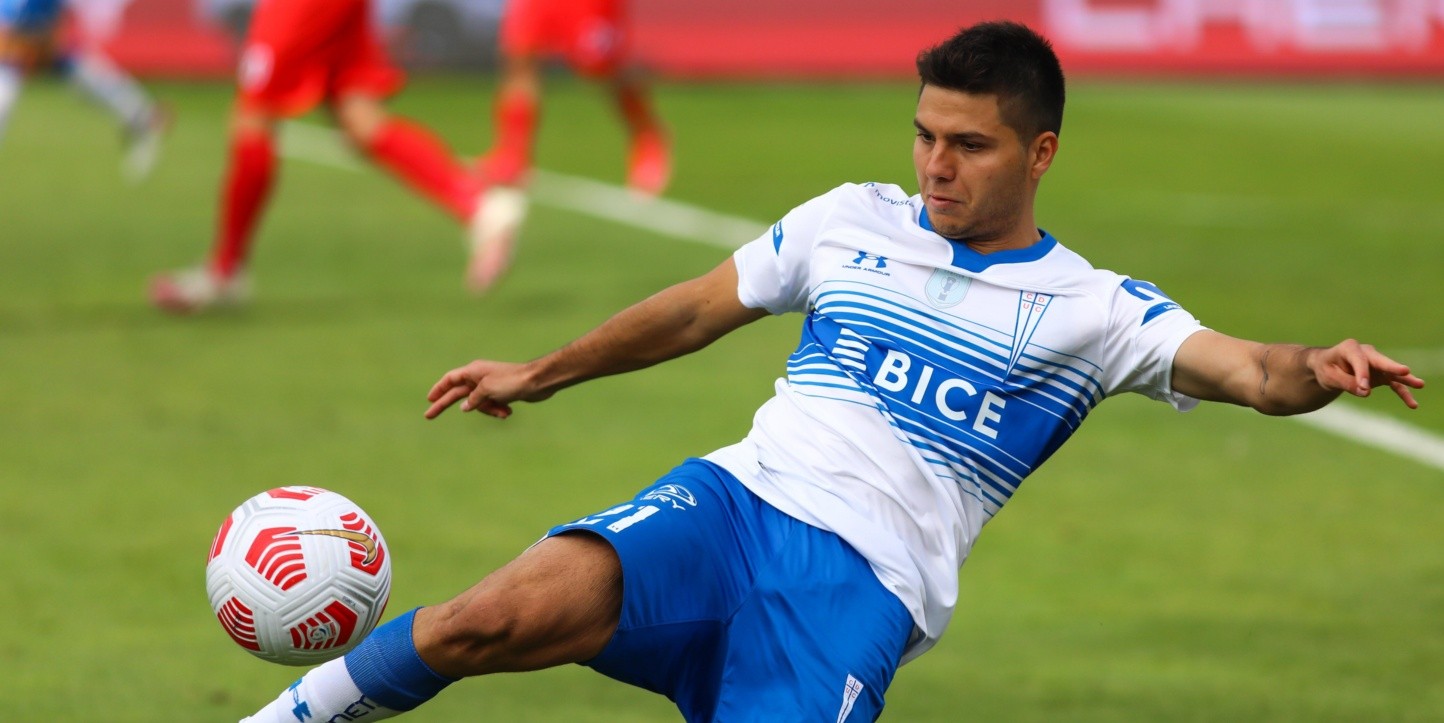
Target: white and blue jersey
column 30, row 16
column 931, row 380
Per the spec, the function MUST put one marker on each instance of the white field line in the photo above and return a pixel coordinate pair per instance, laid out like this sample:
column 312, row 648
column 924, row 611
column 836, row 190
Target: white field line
column 319, row 145
column 322, row 146
column 1380, row 432
column 671, row 218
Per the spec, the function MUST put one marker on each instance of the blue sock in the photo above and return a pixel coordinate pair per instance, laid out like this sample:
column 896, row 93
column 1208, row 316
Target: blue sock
column 387, row 668
column 381, row 678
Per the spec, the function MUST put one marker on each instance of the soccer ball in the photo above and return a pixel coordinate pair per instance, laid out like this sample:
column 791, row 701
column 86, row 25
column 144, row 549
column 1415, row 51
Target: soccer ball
column 298, row 575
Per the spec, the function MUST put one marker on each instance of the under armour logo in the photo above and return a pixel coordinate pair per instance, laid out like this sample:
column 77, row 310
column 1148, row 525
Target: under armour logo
column 302, row 710
column 878, row 262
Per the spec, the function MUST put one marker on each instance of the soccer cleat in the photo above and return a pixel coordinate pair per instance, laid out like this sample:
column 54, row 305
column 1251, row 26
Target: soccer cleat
column 649, row 163
column 493, row 230
column 193, row 290
column 142, row 143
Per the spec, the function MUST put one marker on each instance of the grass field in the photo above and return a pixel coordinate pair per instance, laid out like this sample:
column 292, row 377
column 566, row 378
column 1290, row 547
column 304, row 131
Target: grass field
column 1218, row 566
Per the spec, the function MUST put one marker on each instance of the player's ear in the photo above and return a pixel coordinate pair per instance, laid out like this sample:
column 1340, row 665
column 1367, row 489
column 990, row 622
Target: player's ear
column 1041, row 153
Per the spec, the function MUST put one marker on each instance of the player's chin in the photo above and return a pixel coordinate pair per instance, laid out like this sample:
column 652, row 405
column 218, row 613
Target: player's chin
column 951, row 227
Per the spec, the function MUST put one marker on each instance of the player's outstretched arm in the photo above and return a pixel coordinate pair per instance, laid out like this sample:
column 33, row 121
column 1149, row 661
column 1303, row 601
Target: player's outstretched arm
column 1285, row 378
column 675, row 321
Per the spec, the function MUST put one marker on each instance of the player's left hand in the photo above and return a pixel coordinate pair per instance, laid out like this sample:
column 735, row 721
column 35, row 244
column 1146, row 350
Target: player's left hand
column 1357, row 368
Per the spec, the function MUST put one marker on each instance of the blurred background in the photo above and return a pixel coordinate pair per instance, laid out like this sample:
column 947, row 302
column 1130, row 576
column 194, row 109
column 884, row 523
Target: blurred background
column 1274, row 165
column 852, row 38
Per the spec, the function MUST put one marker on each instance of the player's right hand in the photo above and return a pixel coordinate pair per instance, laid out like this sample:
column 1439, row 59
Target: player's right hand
column 484, row 386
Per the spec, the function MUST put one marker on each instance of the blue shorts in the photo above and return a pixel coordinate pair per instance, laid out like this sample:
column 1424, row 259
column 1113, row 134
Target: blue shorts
column 738, row 612
column 30, row 17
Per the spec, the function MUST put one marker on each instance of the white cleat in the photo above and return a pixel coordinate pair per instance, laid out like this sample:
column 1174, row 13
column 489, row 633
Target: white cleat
column 194, row 290
column 493, row 231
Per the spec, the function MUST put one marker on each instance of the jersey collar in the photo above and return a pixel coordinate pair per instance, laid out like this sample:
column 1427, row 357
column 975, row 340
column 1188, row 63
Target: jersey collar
column 970, row 260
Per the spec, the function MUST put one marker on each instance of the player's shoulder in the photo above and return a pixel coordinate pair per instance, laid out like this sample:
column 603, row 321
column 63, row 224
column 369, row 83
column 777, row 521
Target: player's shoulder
column 854, row 202
column 1127, row 295
column 886, row 195
column 1061, row 270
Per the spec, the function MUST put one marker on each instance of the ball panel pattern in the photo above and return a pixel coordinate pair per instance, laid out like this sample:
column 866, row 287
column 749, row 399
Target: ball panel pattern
column 298, row 575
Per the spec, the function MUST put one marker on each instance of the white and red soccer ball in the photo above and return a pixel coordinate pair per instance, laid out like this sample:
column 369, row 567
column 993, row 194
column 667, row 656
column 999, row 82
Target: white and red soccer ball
column 298, row 575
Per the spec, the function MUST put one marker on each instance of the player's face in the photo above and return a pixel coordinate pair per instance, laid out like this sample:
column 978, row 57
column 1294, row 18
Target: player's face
column 975, row 175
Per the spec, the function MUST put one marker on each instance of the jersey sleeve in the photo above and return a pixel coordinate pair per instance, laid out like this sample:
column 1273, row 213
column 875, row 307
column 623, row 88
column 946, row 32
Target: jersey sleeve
column 1145, row 330
column 772, row 270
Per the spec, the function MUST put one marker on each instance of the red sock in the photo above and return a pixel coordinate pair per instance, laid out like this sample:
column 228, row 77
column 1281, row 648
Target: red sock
column 248, row 183
column 426, row 164
column 517, row 115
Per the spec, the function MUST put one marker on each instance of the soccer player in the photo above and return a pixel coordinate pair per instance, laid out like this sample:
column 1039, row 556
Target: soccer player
column 29, row 43
column 591, row 37
column 948, row 347
column 299, row 53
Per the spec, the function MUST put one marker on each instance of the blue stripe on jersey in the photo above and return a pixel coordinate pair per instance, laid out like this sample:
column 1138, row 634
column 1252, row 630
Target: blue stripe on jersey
column 945, row 389
column 1041, row 384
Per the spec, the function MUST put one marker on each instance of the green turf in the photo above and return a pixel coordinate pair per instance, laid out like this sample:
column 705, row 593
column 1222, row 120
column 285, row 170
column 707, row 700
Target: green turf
column 1209, row 567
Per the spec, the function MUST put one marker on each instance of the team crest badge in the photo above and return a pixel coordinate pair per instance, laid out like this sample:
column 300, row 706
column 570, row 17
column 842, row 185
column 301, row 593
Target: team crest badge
column 946, row 289
column 675, row 495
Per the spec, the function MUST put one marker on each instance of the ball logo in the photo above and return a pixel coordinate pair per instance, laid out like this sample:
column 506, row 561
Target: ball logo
column 367, row 553
column 327, row 628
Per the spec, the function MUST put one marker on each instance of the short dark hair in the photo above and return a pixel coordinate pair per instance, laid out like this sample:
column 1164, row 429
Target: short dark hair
column 1005, row 59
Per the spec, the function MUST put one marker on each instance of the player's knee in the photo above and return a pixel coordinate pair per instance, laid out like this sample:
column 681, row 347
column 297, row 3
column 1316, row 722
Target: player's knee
column 250, row 122
column 473, row 634
column 360, row 119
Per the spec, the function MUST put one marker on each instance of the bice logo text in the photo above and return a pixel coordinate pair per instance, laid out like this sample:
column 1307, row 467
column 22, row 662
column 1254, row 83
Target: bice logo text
column 952, row 397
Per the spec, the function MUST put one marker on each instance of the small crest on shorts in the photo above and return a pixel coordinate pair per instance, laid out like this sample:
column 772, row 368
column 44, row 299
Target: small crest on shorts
column 850, row 691
column 946, row 289
column 675, row 495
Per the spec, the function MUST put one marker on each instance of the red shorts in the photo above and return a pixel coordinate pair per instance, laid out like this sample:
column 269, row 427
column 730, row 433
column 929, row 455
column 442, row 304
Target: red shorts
column 589, row 34
column 299, row 52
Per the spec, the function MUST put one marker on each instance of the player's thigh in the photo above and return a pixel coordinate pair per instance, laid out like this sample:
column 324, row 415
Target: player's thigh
column 689, row 546
column 820, row 638
column 290, row 53
column 558, row 602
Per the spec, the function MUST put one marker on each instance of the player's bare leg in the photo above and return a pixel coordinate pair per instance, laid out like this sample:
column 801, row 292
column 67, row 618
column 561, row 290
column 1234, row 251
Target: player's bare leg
column 649, row 155
column 516, row 117
column 250, row 176
column 414, row 155
column 409, row 151
column 143, row 122
column 559, row 602
column 506, row 169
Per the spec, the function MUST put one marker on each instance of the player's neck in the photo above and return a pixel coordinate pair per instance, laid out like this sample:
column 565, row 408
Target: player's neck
column 1023, row 237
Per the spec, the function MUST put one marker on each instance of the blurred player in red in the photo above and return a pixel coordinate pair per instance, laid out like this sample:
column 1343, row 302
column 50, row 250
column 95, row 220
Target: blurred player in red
column 590, row 36
column 300, row 53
